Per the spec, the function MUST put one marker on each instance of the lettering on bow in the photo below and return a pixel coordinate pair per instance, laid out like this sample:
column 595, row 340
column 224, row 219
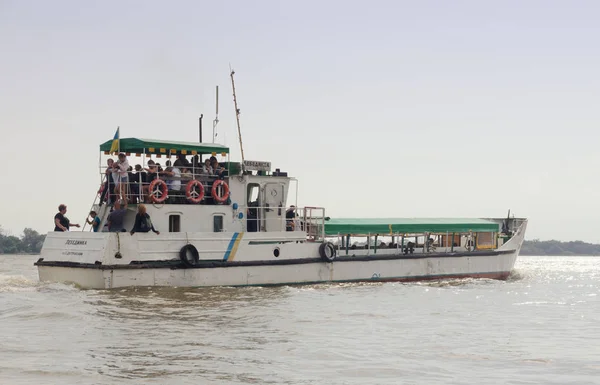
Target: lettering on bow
column 75, row 242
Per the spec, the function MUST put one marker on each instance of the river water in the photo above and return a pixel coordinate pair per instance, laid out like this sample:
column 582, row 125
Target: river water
column 542, row 326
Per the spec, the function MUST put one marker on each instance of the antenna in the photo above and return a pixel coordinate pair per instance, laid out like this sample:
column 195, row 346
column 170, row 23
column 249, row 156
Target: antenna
column 237, row 116
column 216, row 121
column 200, row 128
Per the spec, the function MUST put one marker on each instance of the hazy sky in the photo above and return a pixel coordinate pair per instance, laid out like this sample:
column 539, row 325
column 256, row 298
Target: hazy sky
column 380, row 108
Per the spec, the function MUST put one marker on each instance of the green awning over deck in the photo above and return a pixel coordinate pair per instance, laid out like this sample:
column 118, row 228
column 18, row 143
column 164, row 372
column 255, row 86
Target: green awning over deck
column 407, row 225
column 153, row 146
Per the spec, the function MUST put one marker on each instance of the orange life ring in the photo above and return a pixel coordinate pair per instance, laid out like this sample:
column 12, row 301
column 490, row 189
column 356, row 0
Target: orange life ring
column 191, row 194
column 217, row 197
column 162, row 188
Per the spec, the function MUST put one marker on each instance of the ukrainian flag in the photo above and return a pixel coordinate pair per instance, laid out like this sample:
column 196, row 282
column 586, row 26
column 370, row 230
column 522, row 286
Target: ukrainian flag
column 115, row 144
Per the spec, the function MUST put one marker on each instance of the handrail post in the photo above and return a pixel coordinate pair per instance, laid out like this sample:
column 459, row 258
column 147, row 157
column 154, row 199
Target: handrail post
column 375, row 248
column 347, row 242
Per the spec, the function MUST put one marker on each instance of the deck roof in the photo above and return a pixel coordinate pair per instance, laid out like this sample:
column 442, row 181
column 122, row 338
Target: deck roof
column 154, row 146
column 407, row 225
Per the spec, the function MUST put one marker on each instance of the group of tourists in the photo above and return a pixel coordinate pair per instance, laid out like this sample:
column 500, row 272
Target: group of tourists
column 132, row 183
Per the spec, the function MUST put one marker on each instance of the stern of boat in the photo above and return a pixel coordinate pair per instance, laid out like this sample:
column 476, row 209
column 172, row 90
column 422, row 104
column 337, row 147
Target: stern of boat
column 63, row 252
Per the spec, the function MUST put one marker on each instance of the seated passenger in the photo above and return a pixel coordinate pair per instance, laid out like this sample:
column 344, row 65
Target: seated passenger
column 143, row 223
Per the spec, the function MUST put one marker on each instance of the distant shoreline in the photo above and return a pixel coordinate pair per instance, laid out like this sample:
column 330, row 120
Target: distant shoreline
column 530, row 248
column 559, row 249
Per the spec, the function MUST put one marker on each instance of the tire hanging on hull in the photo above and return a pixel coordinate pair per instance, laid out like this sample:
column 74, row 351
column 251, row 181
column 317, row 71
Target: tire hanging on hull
column 189, row 255
column 327, row 251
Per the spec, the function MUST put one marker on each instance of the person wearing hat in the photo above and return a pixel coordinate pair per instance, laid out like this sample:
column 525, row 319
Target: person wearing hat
column 95, row 222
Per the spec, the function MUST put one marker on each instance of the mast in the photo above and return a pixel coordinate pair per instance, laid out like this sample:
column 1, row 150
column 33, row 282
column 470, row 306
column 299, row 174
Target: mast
column 216, row 121
column 200, row 128
column 237, row 117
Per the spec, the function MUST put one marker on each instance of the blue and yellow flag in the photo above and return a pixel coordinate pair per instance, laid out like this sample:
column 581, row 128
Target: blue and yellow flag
column 115, row 144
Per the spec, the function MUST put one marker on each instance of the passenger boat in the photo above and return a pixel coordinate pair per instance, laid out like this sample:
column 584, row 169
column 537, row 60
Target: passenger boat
column 239, row 230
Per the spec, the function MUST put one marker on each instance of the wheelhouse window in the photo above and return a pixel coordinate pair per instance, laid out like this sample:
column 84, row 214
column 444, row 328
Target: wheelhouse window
column 174, row 223
column 218, row 223
column 252, row 193
column 252, row 216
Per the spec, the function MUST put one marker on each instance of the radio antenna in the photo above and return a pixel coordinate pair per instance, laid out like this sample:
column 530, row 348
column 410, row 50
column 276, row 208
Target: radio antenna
column 216, row 121
column 237, row 116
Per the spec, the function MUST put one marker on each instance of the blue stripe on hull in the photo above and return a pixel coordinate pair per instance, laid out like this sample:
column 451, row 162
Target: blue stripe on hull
column 230, row 247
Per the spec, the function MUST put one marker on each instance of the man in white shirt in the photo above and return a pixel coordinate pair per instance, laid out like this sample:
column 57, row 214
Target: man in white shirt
column 174, row 183
column 121, row 167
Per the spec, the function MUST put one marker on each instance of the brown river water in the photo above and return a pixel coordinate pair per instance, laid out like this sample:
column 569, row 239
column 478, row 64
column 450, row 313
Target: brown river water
column 542, row 326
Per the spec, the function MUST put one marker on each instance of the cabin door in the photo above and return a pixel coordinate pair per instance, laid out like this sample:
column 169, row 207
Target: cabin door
column 273, row 209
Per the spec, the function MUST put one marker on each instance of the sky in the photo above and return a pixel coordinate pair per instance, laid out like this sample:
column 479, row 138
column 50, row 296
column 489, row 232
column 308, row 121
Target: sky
column 379, row 108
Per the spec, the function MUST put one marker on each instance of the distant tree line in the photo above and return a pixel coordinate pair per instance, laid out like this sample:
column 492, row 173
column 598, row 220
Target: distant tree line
column 537, row 247
column 29, row 242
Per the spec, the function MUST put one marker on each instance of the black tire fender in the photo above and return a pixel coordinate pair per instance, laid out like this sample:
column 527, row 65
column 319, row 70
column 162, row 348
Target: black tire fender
column 189, row 255
column 327, row 251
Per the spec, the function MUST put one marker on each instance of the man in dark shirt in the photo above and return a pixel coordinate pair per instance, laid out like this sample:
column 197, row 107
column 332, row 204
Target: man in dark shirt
column 137, row 180
column 116, row 217
column 181, row 162
column 290, row 215
column 62, row 223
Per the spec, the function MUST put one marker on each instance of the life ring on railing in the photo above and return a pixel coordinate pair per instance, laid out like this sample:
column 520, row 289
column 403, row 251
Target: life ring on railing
column 327, row 251
column 189, row 255
column 215, row 195
column 158, row 186
column 191, row 194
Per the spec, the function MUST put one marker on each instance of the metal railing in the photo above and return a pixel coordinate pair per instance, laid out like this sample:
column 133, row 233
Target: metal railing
column 314, row 221
column 137, row 191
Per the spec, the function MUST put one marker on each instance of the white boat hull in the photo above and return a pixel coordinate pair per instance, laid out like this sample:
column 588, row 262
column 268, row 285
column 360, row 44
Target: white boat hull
column 96, row 267
column 405, row 269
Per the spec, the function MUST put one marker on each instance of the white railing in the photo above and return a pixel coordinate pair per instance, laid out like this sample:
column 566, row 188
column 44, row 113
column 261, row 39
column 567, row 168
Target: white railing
column 314, row 221
column 310, row 220
column 136, row 191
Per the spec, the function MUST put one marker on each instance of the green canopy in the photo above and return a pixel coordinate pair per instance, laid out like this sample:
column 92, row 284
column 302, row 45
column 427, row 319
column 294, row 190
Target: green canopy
column 408, row 225
column 153, row 146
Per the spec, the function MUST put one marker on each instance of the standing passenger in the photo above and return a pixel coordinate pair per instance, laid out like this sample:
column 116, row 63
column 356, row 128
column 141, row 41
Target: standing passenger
column 121, row 167
column 116, row 218
column 95, row 222
column 109, row 186
column 62, row 223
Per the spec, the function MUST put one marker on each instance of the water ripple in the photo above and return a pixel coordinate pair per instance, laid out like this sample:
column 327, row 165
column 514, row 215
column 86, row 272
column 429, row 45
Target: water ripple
column 533, row 328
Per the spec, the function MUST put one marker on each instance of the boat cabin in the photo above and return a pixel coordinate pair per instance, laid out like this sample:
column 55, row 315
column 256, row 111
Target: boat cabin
column 191, row 187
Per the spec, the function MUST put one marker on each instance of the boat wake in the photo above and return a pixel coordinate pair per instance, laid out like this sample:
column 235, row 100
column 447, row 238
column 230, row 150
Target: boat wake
column 516, row 275
column 21, row 283
column 14, row 283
